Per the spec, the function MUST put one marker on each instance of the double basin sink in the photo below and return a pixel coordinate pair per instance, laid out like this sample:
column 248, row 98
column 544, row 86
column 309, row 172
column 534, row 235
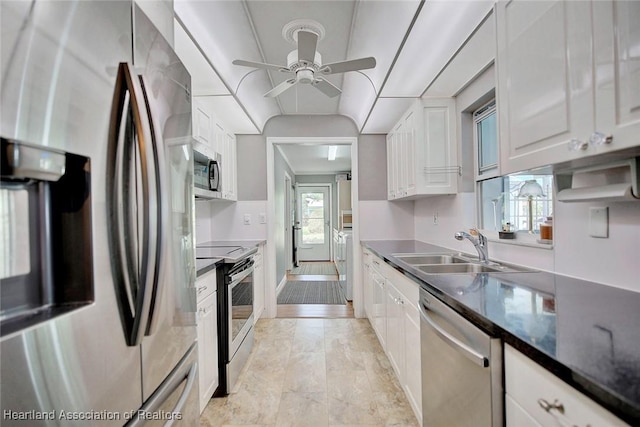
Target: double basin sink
column 455, row 264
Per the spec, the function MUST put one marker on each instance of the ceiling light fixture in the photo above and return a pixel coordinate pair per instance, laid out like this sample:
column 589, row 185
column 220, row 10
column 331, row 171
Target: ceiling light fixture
column 333, row 149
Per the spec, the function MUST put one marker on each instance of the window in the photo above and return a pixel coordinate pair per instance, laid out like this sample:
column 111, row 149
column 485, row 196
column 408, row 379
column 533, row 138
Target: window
column 501, row 200
column 502, row 203
column 486, row 135
column 313, row 219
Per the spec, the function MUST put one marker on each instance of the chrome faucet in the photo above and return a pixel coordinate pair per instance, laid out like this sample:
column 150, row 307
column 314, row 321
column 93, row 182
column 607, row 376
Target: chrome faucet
column 480, row 242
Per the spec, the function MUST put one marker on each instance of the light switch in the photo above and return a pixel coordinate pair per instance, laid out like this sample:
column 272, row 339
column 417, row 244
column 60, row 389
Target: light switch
column 599, row 222
column 247, row 219
column 263, row 218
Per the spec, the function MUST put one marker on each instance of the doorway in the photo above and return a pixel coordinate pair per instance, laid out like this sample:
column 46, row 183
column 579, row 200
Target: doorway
column 315, row 201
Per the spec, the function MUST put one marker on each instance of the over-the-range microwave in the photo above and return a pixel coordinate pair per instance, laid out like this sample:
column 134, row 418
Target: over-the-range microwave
column 206, row 176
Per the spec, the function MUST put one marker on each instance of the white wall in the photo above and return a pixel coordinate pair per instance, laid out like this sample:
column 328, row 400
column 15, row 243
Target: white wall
column 203, row 222
column 383, row 220
column 613, row 261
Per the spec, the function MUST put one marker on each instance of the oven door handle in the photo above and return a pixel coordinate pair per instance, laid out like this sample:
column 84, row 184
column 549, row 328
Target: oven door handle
column 237, row 278
column 455, row 343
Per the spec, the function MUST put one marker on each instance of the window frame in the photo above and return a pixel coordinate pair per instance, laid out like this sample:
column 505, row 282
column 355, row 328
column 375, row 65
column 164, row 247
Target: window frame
column 477, row 116
column 523, row 238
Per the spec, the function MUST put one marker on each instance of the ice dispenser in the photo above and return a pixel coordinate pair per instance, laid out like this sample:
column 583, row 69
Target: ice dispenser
column 46, row 264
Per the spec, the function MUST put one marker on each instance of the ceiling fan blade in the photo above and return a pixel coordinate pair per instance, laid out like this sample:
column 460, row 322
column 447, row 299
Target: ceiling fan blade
column 351, row 65
column 280, row 88
column 307, row 43
column 260, row 65
column 326, row 87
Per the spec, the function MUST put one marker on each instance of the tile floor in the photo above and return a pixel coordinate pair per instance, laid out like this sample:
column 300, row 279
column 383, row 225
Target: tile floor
column 314, row 372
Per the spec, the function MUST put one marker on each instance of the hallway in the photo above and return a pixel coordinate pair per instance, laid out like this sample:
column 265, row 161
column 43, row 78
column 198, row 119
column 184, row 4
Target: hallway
column 310, row 272
column 314, row 372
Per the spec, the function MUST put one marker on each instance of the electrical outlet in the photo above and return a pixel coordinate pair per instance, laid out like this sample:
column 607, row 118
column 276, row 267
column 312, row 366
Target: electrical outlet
column 599, row 222
column 263, row 218
column 247, row 219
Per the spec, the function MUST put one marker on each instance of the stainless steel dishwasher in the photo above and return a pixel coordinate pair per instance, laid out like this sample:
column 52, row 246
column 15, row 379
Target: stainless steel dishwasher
column 461, row 369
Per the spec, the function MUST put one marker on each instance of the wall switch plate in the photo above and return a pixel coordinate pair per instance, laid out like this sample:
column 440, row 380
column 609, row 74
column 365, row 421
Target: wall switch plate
column 599, row 222
column 435, row 218
column 263, row 218
column 247, row 219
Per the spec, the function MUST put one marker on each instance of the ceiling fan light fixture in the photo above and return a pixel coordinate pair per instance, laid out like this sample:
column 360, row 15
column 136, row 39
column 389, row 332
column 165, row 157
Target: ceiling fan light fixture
column 304, row 76
column 333, row 150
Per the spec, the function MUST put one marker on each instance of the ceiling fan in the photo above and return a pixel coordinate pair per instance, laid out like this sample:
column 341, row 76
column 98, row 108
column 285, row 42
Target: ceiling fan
column 306, row 62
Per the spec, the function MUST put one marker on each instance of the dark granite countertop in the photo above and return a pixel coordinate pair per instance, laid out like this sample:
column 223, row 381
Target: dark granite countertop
column 585, row 333
column 205, row 265
column 243, row 243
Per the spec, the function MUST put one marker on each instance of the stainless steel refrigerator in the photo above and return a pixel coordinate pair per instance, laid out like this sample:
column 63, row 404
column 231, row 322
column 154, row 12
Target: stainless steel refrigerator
column 96, row 219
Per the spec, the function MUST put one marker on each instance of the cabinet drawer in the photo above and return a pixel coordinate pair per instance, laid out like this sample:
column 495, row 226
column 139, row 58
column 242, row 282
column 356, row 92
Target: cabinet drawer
column 206, row 285
column 530, row 386
column 407, row 287
column 516, row 416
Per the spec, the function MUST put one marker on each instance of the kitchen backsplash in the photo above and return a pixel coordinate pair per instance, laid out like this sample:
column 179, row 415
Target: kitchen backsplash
column 218, row 220
column 612, row 261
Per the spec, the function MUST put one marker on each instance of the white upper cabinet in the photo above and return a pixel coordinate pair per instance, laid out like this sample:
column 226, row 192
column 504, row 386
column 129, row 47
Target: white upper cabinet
column 617, row 63
column 211, row 137
column 202, row 127
column 565, row 80
column 421, row 151
column 229, row 168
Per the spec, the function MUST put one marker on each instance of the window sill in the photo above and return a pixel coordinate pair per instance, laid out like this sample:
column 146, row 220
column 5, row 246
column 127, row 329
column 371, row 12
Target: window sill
column 522, row 239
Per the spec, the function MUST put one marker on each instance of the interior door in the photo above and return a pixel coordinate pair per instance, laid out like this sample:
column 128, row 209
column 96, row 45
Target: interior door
column 314, row 204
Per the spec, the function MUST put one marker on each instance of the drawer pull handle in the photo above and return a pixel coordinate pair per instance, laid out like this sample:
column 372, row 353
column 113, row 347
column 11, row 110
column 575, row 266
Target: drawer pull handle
column 548, row 407
column 559, row 407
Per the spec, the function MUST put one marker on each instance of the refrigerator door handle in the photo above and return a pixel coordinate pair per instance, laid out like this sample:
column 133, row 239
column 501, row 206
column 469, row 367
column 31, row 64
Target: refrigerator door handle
column 159, row 397
column 131, row 266
column 158, row 201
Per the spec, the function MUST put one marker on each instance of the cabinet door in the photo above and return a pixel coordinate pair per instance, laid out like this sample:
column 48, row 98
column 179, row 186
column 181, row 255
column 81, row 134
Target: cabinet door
column 218, row 139
column 544, row 77
column 230, row 168
column 395, row 326
column 438, row 148
column 400, row 160
column 207, row 349
column 527, row 383
column 201, row 122
column 409, row 153
column 258, row 284
column 379, row 308
column 367, row 287
column 617, row 59
column 391, row 166
column 412, row 359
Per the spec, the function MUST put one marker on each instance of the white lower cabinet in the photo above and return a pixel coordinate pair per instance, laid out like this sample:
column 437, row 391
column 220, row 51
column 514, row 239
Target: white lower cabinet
column 258, row 284
column 207, row 336
column 535, row 397
column 395, row 326
column 379, row 307
column 367, row 278
column 395, row 319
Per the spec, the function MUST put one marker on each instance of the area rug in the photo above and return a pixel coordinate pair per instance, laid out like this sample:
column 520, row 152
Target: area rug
column 307, row 292
column 315, row 268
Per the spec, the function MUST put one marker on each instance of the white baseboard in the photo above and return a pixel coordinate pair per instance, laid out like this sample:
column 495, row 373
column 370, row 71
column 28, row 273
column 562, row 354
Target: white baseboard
column 281, row 285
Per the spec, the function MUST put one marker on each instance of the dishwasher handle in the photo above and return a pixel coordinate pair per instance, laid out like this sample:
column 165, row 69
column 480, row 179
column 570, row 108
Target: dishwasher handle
column 458, row 345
